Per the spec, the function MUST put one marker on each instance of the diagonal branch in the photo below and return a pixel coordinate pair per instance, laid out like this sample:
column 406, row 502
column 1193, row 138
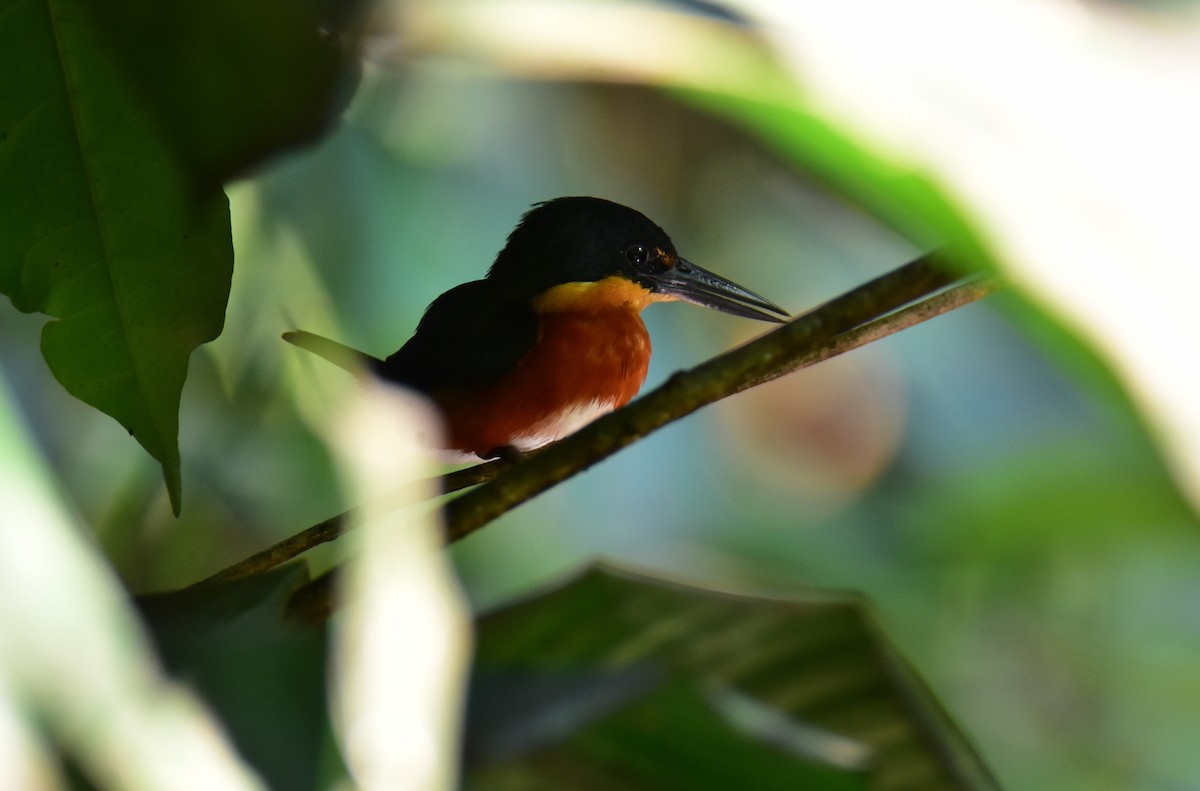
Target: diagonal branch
column 335, row 526
column 867, row 313
column 802, row 341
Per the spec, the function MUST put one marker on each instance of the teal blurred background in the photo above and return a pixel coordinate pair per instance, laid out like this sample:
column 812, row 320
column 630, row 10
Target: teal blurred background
column 980, row 478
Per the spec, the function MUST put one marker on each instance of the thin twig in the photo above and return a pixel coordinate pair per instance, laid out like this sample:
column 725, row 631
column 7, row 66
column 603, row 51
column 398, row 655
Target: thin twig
column 794, row 346
column 283, row 551
column 868, row 313
column 482, row 473
column 765, row 358
column 335, row 526
column 963, row 294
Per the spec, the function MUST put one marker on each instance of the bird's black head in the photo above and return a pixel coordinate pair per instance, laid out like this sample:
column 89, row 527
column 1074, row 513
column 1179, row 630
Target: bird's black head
column 588, row 240
column 576, row 240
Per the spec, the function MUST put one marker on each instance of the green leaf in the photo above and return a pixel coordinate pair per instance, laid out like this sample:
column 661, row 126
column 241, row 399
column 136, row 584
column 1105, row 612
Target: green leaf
column 678, row 726
column 628, row 682
column 102, row 228
column 231, row 81
column 263, row 675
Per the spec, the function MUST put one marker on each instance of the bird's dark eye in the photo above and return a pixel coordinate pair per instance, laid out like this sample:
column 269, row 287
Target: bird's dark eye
column 637, row 255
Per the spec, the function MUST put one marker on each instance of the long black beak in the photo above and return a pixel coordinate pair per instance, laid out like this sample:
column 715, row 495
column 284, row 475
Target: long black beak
column 690, row 283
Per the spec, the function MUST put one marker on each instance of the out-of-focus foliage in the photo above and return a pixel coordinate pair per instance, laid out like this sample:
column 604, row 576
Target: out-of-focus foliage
column 116, row 133
column 102, row 229
column 262, row 676
column 614, row 680
column 283, row 70
column 79, row 682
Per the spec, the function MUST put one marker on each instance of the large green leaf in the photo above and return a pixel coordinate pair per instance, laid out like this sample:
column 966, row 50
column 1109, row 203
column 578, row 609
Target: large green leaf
column 618, row 681
column 236, row 81
column 101, row 228
column 264, row 676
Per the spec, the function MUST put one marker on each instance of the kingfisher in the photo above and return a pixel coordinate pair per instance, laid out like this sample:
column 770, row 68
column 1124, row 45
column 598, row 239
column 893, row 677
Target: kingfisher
column 553, row 336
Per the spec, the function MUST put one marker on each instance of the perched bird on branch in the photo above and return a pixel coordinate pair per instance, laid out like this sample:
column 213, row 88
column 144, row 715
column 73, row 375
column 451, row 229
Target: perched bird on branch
column 553, row 337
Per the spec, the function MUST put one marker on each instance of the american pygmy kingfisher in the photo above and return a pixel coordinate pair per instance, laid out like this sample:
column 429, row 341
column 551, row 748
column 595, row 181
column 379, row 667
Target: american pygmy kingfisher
column 553, row 336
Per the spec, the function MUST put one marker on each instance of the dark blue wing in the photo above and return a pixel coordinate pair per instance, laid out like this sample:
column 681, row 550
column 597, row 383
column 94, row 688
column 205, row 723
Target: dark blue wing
column 469, row 336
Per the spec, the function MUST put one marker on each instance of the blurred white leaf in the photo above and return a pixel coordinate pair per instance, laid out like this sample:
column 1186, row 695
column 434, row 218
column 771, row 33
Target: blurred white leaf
column 1069, row 133
column 74, row 653
column 26, row 761
column 403, row 641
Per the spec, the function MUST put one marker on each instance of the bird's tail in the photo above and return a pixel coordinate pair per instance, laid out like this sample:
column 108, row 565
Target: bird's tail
column 339, row 354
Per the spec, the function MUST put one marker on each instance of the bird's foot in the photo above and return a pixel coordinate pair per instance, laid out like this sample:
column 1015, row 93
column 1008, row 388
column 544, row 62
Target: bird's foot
column 508, row 453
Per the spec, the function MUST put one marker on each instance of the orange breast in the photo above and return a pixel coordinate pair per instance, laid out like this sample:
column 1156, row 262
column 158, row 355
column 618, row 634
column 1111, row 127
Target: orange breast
column 584, row 364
